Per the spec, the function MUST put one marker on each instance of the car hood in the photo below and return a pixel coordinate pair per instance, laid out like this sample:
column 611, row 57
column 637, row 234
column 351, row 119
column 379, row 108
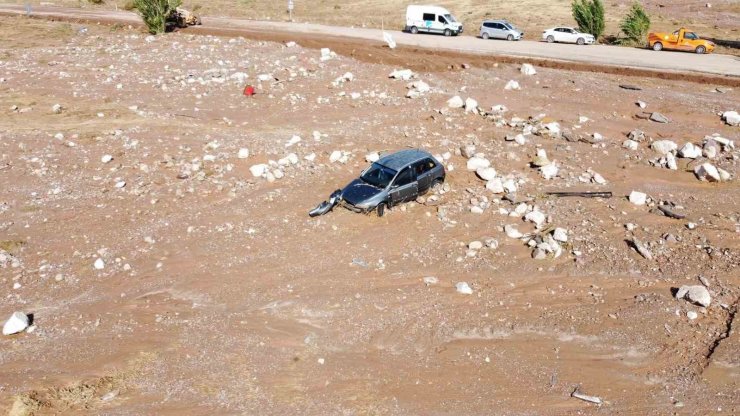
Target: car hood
column 358, row 192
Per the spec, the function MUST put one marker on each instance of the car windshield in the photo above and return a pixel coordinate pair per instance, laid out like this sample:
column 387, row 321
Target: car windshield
column 378, row 175
column 450, row 18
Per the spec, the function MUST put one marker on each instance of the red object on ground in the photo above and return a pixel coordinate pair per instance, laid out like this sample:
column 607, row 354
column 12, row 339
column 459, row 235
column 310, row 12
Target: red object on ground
column 249, row 91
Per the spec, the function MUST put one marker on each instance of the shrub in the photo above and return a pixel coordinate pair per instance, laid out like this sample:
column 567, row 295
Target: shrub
column 155, row 13
column 635, row 25
column 589, row 14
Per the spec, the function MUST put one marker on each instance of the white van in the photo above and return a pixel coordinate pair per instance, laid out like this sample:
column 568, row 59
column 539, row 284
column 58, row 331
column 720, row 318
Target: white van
column 432, row 19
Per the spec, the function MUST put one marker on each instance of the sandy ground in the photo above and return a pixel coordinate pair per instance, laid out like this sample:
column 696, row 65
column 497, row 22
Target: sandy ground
column 219, row 295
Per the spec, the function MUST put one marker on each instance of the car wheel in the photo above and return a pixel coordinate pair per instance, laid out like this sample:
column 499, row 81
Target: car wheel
column 550, row 39
column 436, row 185
column 414, row 30
column 485, row 36
column 510, row 38
column 700, row 50
column 448, row 32
column 580, row 41
column 380, row 209
column 657, row 46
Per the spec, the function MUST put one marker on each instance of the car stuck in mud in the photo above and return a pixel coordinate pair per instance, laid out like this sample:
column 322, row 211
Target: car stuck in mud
column 394, row 179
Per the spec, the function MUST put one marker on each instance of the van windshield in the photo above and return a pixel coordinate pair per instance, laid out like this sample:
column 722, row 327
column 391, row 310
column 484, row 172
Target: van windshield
column 450, row 18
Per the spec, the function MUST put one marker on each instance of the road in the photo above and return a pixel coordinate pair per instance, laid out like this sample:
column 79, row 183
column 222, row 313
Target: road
column 611, row 56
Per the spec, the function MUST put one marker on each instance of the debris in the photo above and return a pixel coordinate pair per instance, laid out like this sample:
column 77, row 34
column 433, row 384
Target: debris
column 463, row 288
column 512, row 85
column 455, row 102
column 630, row 87
column 18, row 322
column 640, row 247
column 696, row 294
column 389, row 40
column 638, row 198
column 249, row 91
column 586, row 398
column 670, row 213
column 582, row 194
column 528, row 69
column 731, row 117
column 659, row 118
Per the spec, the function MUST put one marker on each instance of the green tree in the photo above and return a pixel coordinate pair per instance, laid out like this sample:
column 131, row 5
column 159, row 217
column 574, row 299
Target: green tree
column 589, row 14
column 155, row 13
column 635, row 25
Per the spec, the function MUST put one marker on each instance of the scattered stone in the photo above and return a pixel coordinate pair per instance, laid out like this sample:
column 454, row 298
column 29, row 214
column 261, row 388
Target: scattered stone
column 512, row 85
column 541, row 159
column 18, row 322
column 560, row 235
column 692, row 315
column 372, row 157
column 486, row 174
column 430, row 280
column 495, row 185
column 475, row 245
column 467, row 151
column 549, row 171
column 455, row 102
column 536, row 217
column 696, row 294
column 99, row 264
column 56, row 109
column 731, row 117
column 638, row 198
column 402, row 74
column 512, row 232
column 690, row 151
column 106, row 158
column 471, row 105
column 464, row 288
column 707, row 172
column 641, row 104
column 664, row 147
column 528, row 69
column 659, row 118
column 327, row 54
column 258, row 170
column 630, row 144
column 243, row 153
column 642, row 249
column 475, row 163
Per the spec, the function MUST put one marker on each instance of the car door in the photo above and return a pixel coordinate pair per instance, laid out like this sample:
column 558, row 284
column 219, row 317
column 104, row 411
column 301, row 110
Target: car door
column 404, row 187
column 687, row 41
column 424, row 174
column 441, row 23
column 559, row 34
column 571, row 35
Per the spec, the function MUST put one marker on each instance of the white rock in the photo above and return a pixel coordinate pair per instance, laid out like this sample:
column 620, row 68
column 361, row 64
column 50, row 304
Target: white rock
column 537, row 217
column 121, row 184
column 464, row 288
column 106, row 158
column 707, row 172
column 697, row 294
column 630, row 144
column 638, row 198
column 430, row 280
column 641, row 104
column 327, row 54
column 512, row 85
column 372, row 157
column 403, row 74
column 471, row 105
column 265, row 77
column 724, row 175
column 560, row 234
column 455, row 102
column 528, row 69
column 243, row 153
column 512, row 232
column 476, row 210
column 486, row 174
column 553, row 127
column 335, row 156
column 18, row 322
column 99, row 264
column 475, row 245
column 692, row 315
column 420, row 86
column 549, row 171
column 597, row 178
column 731, row 117
column 258, row 170
column 690, row 151
column 510, row 186
column 475, row 163
column 495, row 185
column 664, row 147
column 56, row 109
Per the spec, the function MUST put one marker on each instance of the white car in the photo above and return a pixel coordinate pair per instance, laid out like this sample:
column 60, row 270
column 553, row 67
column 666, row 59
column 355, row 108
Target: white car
column 567, row 35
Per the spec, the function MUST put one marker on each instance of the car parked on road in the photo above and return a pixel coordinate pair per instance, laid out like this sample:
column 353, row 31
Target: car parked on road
column 567, row 35
column 499, row 29
column 680, row 40
column 395, row 178
column 432, row 19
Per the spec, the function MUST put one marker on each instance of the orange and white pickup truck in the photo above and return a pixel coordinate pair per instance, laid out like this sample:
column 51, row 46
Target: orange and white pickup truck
column 680, row 40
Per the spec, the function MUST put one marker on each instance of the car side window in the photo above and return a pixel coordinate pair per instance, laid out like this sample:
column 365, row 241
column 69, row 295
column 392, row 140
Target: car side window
column 691, row 36
column 405, row 177
column 428, row 16
column 488, row 25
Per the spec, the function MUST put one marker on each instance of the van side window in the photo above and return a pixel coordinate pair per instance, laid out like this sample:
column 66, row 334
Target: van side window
column 404, row 178
column 428, row 16
column 441, row 19
column 488, row 25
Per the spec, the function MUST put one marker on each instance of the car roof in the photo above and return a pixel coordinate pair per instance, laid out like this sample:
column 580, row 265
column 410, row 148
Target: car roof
column 403, row 158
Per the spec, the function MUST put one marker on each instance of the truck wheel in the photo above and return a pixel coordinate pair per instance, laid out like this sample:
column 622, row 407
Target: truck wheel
column 580, row 41
column 657, row 46
column 700, row 50
column 448, row 32
column 485, row 36
column 510, row 38
column 380, row 209
column 550, row 39
column 414, row 30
